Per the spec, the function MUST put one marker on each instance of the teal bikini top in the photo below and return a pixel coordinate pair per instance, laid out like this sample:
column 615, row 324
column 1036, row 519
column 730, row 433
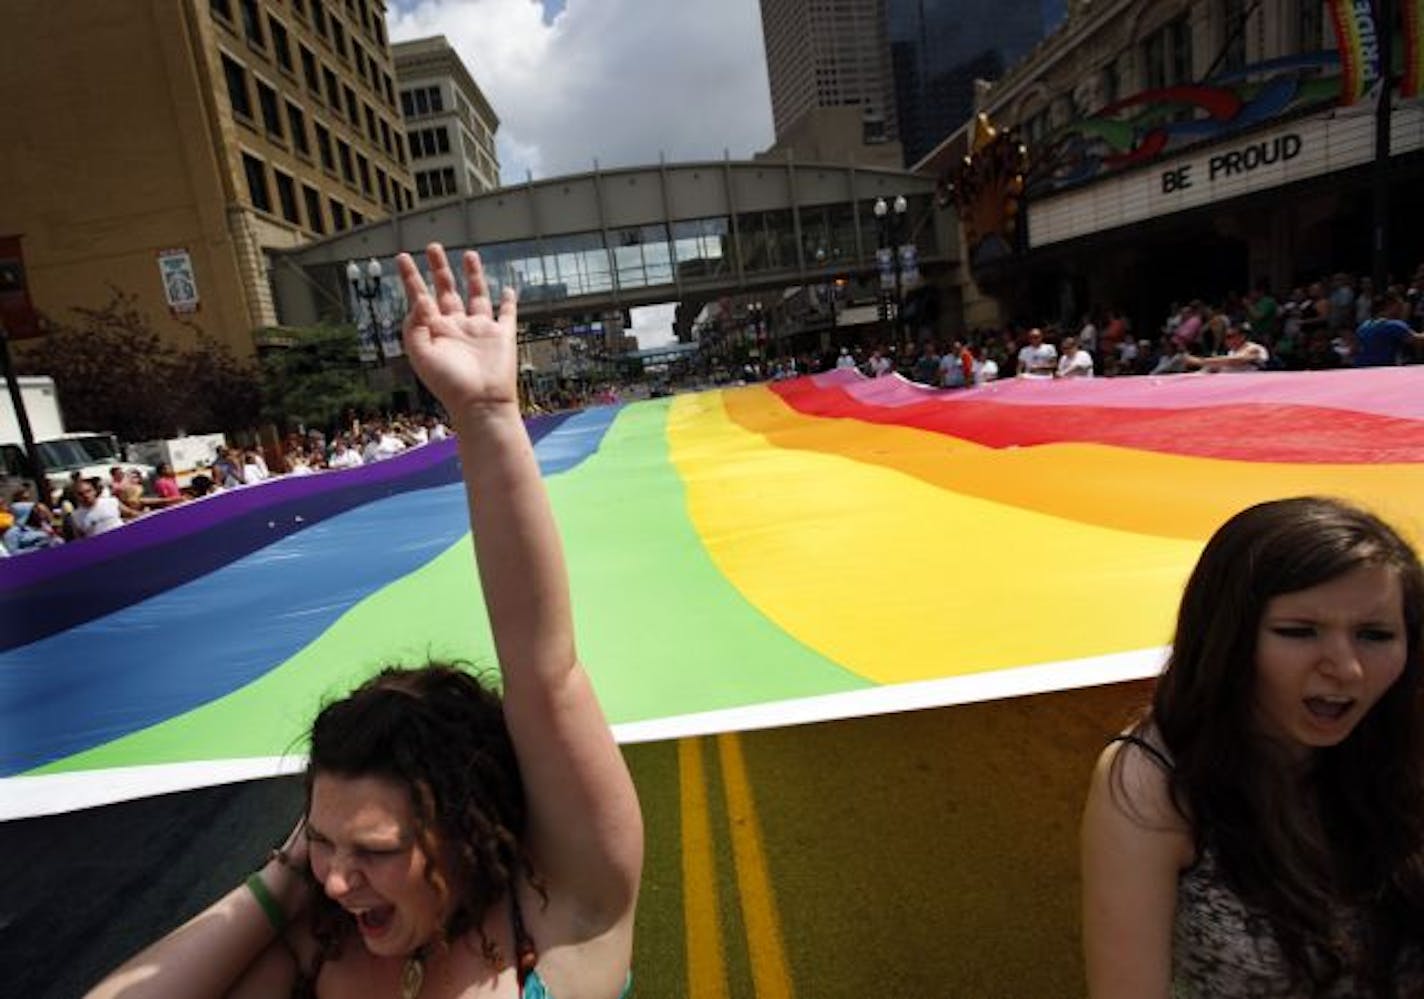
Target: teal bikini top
column 534, row 987
column 531, row 986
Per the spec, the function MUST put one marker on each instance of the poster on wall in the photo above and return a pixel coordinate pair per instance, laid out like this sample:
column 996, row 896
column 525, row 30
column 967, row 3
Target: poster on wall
column 180, row 285
column 17, row 312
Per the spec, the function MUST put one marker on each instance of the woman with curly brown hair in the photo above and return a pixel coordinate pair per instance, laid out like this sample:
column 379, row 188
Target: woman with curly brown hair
column 455, row 842
column 1260, row 832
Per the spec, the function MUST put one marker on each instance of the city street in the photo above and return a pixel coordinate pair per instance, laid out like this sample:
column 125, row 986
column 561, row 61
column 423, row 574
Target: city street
column 927, row 853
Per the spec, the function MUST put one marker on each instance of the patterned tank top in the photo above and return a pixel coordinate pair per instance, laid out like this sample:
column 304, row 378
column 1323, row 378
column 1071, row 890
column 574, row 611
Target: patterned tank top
column 1223, row 949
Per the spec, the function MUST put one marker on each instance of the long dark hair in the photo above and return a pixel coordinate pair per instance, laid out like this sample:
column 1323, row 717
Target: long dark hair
column 440, row 733
column 1233, row 785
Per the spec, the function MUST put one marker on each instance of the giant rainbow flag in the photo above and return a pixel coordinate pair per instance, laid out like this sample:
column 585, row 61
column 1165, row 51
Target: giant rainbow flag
column 748, row 557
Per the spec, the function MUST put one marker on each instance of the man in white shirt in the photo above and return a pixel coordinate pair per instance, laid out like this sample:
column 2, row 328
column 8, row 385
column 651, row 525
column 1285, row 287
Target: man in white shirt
column 388, row 445
column 344, row 457
column 1242, row 353
column 1075, row 362
column 844, row 361
column 1036, row 358
column 95, row 514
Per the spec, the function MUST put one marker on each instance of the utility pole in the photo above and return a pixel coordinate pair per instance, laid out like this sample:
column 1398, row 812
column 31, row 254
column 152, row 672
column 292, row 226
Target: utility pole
column 1384, row 35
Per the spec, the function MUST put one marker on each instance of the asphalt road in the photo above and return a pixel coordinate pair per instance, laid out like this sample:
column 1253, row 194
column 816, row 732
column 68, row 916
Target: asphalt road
column 928, row 853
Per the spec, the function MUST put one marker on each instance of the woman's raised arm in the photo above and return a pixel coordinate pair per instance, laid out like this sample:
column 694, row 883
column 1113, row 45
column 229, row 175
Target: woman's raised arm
column 585, row 827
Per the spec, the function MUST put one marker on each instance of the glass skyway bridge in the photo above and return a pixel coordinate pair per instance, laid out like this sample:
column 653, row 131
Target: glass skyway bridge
column 614, row 239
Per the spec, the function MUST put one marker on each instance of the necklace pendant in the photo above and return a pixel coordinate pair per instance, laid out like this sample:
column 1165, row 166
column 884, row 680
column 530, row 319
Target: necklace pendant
column 412, row 977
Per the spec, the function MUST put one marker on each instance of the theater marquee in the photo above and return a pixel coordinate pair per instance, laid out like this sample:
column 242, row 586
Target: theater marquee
column 1243, row 165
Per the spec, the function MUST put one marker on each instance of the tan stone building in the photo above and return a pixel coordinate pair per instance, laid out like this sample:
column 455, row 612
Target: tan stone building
column 449, row 122
column 163, row 147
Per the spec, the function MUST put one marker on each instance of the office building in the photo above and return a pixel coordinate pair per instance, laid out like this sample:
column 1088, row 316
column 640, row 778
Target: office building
column 164, row 149
column 449, row 123
column 821, row 55
column 938, row 48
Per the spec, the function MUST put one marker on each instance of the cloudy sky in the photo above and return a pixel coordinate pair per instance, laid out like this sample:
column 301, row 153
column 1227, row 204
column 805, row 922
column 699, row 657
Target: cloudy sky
column 619, row 81
column 615, row 80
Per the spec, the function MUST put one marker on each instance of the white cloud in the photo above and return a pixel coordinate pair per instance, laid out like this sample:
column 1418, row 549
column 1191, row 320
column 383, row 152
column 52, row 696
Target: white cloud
column 613, row 80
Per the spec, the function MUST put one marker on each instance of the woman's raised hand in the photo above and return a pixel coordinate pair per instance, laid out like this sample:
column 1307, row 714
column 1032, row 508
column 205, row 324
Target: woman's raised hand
column 463, row 352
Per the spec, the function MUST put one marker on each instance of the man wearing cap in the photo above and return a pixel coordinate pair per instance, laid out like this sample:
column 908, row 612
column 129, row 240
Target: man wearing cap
column 1242, row 353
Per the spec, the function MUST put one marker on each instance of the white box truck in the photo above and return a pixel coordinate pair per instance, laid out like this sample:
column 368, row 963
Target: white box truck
column 62, row 452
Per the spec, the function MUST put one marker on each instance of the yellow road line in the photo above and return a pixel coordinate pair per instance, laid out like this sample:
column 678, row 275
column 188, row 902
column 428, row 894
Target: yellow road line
column 706, row 968
column 770, row 976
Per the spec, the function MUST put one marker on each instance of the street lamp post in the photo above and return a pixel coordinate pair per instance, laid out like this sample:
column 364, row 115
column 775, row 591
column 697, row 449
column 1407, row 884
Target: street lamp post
column 758, row 318
column 891, row 224
column 832, row 286
column 368, row 289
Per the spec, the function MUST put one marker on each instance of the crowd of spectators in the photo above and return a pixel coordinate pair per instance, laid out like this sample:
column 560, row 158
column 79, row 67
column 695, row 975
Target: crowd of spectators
column 88, row 507
column 1342, row 322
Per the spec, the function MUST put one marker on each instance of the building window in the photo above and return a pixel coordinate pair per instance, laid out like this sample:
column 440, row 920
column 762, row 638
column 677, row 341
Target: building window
column 237, row 88
column 318, row 12
column 309, row 71
column 357, row 218
column 370, row 122
column 323, row 147
column 1231, row 15
column 385, row 137
column 314, row 219
column 257, row 191
column 300, row 6
column 422, row 100
column 297, row 122
column 333, row 92
column 382, row 186
column 279, row 43
column 252, row 23
column 343, row 153
column 287, row 197
column 271, row 116
column 338, row 215
column 389, row 89
column 222, row 8
column 338, row 38
column 1310, row 26
column 429, row 142
column 352, row 114
column 1168, row 54
column 360, row 55
column 436, row 183
column 363, row 168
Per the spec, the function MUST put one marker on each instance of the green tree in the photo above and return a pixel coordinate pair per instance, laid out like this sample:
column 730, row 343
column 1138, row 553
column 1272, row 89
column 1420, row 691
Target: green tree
column 311, row 376
column 113, row 372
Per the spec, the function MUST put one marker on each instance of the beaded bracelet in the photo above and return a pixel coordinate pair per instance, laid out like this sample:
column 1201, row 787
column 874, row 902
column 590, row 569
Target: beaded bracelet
column 269, row 905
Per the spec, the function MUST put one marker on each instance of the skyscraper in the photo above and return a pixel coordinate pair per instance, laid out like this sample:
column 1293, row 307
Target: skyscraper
column 821, row 55
column 909, row 65
column 940, row 47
